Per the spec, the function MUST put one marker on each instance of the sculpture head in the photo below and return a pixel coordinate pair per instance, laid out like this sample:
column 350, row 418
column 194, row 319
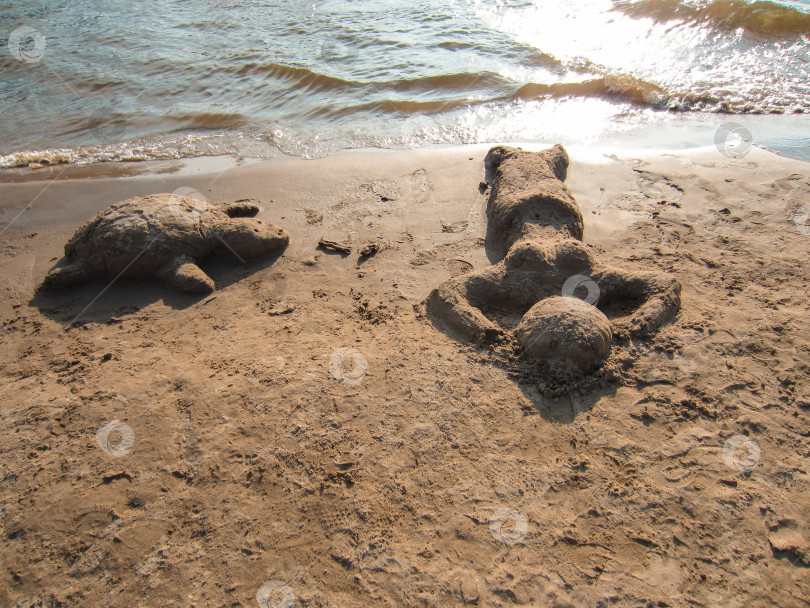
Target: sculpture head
column 249, row 237
column 555, row 157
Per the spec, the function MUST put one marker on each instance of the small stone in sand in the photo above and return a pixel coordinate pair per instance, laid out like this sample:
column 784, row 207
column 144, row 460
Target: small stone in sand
column 343, row 248
column 369, row 250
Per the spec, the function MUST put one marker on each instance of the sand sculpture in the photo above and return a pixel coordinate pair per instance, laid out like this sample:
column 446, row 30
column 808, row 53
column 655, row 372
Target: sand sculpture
column 164, row 236
column 535, row 227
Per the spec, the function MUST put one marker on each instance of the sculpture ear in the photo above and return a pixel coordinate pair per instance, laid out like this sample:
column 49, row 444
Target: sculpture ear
column 557, row 158
column 494, row 157
column 242, row 208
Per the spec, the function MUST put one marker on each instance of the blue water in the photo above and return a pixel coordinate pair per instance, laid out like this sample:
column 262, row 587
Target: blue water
column 88, row 81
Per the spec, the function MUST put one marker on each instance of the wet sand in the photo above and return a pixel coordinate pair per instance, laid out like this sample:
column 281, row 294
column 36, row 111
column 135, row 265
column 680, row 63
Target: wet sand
column 306, row 424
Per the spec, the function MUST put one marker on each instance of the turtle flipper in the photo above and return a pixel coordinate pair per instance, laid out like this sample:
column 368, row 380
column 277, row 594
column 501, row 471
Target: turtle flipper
column 242, row 208
column 66, row 276
column 183, row 274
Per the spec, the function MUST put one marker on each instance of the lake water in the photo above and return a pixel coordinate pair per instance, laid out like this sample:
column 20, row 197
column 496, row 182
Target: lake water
column 88, row 81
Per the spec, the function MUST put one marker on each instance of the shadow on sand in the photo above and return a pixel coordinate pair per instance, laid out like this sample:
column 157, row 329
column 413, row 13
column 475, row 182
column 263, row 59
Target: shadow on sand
column 106, row 301
column 566, row 408
column 562, row 409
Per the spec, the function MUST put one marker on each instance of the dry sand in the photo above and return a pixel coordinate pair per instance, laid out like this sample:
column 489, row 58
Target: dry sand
column 432, row 474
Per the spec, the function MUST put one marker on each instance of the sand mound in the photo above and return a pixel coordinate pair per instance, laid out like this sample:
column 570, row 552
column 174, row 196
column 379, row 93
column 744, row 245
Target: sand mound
column 566, row 332
column 163, row 236
column 535, row 227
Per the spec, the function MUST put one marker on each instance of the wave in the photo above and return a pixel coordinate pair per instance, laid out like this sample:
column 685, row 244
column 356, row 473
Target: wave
column 209, row 141
column 612, row 87
column 615, row 88
column 302, row 76
column 208, row 120
column 761, row 17
column 399, row 107
column 85, row 155
column 463, row 81
column 623, row 88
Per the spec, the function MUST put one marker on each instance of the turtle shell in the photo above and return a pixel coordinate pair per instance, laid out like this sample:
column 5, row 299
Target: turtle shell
column 138, row 236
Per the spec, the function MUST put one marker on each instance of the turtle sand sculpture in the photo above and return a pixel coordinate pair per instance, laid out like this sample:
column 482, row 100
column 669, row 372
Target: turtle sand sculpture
column 164, row 236
column 535, row 227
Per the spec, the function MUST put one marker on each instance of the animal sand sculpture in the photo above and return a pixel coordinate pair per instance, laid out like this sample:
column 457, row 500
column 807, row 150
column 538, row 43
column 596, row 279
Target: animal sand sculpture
column 164, row 236
column 535, row 227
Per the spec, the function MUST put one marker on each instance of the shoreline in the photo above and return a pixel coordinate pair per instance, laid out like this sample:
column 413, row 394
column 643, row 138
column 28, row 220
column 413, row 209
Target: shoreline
column 121, row 180
column 787, row 135
column 257, row 455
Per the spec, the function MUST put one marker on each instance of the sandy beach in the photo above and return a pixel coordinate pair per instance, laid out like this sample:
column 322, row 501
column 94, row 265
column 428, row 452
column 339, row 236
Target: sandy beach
column 304, row 436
